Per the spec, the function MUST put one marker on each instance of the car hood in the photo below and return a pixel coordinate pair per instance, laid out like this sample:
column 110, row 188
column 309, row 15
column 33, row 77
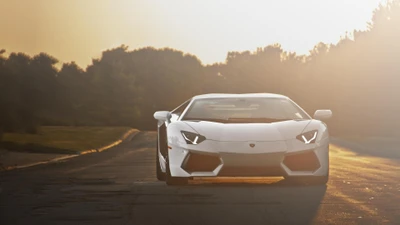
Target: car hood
column 277, row 131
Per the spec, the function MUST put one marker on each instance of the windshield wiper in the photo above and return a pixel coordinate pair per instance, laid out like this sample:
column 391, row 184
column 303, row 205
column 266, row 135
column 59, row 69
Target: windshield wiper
column 205, row 119
column 299, row 119
column 269, row 120
column 254, row 118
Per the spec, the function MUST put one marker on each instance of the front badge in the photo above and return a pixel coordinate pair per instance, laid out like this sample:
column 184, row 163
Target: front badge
column 252, row 145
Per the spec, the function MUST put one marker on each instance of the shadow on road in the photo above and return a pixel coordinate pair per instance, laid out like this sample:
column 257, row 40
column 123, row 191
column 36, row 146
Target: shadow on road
column 231, row 201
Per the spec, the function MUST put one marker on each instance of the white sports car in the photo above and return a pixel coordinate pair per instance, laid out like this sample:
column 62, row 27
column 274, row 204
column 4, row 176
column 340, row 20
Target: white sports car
column 241, row 135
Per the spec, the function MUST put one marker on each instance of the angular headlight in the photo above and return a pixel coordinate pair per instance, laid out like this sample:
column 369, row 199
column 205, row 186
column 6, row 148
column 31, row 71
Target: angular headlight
column 308, row 137
column 192, row 138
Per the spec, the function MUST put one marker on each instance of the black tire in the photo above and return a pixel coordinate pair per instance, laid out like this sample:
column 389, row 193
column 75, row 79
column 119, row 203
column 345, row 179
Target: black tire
column 313, row 180
column 162, row 138
column 173, row 181
column 160, row 173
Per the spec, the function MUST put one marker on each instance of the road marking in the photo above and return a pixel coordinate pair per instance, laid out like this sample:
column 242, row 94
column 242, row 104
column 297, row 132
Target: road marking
column 43, row 162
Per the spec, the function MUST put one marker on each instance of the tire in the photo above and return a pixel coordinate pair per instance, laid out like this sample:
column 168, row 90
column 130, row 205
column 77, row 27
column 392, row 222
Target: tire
column 160, row 173
column 173, row 181
column 313, row 180
column 322, row 180
column 162, row 138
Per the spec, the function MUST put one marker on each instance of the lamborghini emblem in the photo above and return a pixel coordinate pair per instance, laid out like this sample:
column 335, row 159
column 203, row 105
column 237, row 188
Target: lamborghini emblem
column 252, row 145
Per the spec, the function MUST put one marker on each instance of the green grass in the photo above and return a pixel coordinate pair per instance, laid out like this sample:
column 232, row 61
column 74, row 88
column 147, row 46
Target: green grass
column 63, row 139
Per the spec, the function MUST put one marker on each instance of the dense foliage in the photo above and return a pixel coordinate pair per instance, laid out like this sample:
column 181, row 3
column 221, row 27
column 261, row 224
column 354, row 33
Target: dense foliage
column 358, row 78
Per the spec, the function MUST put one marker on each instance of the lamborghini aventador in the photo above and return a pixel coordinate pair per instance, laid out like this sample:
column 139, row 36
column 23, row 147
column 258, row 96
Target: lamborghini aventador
column 242, row 135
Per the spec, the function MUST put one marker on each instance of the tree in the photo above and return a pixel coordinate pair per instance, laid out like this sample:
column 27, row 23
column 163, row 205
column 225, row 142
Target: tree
column 358, row 78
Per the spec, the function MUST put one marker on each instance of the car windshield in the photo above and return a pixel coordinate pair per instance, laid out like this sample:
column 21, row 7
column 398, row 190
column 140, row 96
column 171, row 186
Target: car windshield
column 233, row 110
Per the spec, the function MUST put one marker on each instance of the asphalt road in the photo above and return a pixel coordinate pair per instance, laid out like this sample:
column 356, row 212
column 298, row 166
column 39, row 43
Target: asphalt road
column 118, row 186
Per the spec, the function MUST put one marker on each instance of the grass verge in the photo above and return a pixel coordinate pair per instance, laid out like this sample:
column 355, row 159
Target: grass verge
column 387, row 147
column 64, row 140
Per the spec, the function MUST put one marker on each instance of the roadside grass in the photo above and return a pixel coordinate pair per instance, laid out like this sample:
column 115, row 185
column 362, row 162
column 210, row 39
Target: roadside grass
column 68, row 140
column 388, row 147
column 373, row 140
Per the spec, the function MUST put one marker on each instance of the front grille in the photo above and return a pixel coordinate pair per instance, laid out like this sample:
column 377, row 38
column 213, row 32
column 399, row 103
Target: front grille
column 305, row 161
column 252, row 159
column 251, row 171
column 200, row 162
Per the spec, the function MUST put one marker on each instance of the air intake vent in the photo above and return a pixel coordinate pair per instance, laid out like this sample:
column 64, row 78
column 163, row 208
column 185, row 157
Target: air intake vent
column 196, row 162
column 306, row 161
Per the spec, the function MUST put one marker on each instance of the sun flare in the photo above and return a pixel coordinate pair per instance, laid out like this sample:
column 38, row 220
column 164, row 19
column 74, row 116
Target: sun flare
column 79, row 30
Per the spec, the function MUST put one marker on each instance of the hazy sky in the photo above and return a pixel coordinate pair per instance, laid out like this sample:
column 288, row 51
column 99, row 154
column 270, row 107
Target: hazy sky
column 78, row 30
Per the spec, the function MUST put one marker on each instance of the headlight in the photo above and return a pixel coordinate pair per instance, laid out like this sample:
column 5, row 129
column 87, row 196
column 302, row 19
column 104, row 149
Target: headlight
column 192, row 138
column 308, row 137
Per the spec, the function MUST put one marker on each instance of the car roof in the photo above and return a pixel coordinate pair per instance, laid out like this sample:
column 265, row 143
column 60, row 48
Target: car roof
column 246, row 95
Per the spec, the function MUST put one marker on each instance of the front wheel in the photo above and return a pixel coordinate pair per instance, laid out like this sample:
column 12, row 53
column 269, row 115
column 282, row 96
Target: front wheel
column 313, row 180
column 160, row 173
column 170, row 180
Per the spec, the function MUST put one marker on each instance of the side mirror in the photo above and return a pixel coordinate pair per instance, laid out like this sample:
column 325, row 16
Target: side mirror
column 162, row 116
column 323, row 114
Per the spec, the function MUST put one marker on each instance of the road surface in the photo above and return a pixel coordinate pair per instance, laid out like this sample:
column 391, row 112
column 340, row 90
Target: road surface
column 118, row 186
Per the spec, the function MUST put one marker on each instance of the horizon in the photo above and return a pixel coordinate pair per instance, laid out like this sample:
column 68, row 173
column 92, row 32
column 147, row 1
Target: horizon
column 80, row 28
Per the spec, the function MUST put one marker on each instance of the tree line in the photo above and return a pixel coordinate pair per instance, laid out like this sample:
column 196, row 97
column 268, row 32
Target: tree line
column 358, row 78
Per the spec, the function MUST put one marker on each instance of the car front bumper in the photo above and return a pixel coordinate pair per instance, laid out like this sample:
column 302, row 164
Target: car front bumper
column 279, row 158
